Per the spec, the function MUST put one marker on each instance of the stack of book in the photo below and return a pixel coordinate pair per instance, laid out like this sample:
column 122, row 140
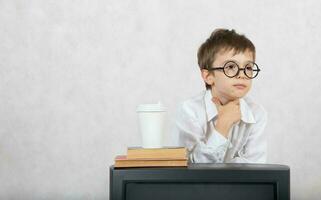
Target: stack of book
column 156, row 157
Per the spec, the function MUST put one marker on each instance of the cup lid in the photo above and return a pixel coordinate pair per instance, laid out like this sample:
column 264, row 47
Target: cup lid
column 158, row 107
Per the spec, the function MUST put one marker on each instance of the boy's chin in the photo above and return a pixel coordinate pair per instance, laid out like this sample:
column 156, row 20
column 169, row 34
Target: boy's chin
column 237, row 96
column 232, row 95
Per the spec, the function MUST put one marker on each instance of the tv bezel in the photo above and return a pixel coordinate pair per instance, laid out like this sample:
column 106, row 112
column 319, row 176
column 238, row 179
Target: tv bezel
column 278, row 175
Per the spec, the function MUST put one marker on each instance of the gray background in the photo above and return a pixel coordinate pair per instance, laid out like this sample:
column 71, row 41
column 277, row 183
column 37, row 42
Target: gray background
column 73, row 72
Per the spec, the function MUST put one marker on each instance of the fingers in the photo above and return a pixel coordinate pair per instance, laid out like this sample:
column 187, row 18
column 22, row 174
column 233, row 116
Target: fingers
column 215, row 97
column 237, row 101
column 217, row 102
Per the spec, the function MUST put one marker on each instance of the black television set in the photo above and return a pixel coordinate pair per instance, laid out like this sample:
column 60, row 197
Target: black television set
column 224, row 181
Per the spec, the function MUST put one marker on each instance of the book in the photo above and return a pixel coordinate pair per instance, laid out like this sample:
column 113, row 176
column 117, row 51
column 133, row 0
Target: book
column 123, row 161
column 169, row 152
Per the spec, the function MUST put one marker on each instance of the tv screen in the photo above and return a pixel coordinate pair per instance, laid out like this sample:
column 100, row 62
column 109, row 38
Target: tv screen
column 202, row 182
column 192, row 191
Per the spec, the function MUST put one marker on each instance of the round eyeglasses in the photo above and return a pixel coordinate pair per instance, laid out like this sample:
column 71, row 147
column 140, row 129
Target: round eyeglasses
column 232, row 69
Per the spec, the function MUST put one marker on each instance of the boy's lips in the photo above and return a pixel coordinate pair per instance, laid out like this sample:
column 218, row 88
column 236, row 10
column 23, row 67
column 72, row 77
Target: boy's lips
column 239, row 86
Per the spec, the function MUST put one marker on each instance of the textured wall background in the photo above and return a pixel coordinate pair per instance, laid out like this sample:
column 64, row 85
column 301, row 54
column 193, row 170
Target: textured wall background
column 73, row 72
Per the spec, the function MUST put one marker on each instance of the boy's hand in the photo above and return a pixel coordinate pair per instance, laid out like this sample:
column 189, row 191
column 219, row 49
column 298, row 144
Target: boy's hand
column 228, row 114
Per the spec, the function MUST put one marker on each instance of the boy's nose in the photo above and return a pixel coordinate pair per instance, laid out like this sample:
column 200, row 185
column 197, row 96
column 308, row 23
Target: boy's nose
column 241, row 73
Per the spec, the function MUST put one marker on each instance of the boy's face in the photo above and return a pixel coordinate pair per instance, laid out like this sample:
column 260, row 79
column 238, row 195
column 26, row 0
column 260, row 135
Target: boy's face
column 224, row 86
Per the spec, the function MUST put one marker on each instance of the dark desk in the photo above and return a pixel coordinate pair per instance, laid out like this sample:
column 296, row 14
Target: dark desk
column 201, row 181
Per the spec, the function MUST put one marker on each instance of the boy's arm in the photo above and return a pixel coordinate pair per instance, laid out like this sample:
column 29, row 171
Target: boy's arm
column 191, row 135
column 255, row 149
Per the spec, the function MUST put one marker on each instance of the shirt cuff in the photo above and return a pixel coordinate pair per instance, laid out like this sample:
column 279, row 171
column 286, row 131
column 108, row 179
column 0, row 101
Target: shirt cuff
column 216, row 139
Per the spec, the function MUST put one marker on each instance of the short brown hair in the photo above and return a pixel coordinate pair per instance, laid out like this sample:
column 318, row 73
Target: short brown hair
column 222, row 40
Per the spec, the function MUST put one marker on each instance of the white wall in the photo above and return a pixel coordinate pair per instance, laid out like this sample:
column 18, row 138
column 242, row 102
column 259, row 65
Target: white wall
column 73, row 72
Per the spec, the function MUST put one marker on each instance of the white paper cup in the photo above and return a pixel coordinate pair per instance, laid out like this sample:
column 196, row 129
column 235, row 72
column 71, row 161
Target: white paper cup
column 151, row 119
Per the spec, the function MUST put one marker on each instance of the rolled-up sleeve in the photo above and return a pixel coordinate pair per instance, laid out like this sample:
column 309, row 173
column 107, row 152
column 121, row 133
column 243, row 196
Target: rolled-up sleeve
column 191, row 135
column 255, row 148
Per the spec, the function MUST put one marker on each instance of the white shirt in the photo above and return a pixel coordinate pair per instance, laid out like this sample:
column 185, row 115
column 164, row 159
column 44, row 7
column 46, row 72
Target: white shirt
column 246, row 142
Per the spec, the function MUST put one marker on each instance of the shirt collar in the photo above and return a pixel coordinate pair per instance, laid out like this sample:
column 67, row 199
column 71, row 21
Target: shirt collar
column 211, row 111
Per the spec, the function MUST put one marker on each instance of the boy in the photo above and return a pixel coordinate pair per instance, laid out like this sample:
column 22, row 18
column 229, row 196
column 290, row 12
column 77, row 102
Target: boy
column 221, row 124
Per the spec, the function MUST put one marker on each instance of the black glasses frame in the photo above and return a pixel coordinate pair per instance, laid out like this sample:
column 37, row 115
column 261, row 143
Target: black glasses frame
column 239, row 69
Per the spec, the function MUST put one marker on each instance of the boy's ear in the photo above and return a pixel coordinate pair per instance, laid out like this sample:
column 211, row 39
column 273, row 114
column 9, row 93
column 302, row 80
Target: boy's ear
column 208, row 77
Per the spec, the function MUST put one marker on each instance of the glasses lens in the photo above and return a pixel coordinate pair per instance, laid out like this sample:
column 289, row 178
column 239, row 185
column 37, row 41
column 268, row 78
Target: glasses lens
column 230, row 69
column 251, row 70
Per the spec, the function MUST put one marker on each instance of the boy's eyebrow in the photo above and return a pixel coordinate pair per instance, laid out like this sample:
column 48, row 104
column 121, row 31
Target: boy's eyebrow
column 247, row 61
